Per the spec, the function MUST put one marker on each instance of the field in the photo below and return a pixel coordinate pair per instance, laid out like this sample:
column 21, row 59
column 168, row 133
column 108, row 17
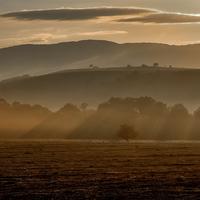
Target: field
column 99, row 170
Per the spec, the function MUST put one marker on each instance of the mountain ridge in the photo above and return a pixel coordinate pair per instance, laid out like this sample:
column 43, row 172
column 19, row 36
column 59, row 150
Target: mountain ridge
column 44, row 58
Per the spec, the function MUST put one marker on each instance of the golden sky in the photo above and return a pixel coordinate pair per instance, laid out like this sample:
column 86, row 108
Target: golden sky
column 50, row 21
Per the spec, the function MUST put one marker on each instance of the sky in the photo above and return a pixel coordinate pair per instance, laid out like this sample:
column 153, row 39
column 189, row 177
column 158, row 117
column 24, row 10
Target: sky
column 50, row 21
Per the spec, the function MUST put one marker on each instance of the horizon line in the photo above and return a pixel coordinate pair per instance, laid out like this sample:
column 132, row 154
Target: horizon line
column 99, row 40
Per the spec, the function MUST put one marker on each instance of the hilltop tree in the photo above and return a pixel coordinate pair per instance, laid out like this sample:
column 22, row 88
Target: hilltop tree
column 156, row 64
column 128, row 66
column 83, row 106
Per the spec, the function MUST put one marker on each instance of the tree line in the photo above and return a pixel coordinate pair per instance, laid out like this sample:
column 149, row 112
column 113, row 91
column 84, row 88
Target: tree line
column 141, row 118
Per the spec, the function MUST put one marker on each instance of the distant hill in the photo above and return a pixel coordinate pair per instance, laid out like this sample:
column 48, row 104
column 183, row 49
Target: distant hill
column 39, row 59
column 94, row 86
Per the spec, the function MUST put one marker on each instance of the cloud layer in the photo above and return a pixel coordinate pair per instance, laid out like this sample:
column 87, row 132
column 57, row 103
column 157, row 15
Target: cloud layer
column 76, row 13
column 140, row 15
column 163, row 18
column 119, row 24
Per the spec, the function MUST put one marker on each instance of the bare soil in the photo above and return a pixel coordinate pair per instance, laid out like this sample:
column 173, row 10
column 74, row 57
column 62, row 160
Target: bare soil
column 99, row 170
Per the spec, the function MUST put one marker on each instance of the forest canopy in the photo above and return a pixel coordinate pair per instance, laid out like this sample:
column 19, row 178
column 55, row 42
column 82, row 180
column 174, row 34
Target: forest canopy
column 141, row 118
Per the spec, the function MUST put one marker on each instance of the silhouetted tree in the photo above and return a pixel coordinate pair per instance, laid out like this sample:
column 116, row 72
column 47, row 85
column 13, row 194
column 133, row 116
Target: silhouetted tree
column 177, row 123
column 144, row 65
column 127, row 132
column 195, row 133
column 83, row 106
column 128, row 66
column 93, row 67
column 16, row 119
column 155, row 64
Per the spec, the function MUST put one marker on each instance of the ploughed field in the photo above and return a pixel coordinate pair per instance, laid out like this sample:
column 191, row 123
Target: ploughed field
column 99, row 170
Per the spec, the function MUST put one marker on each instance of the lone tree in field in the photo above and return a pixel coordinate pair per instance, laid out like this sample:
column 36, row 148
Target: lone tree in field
column 127, row 132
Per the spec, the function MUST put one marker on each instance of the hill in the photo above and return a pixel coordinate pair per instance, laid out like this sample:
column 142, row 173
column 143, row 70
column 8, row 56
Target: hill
column 94, row 86
column 40, row 59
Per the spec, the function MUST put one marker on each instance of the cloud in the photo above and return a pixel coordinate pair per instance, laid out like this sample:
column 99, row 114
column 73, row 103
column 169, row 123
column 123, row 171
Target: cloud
column 97, row 33
column 46, row 37
column 70, row 14
column 126, row 14
column 40, row 38
column 163, row 18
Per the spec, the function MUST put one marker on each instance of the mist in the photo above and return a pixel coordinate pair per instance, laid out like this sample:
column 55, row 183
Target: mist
column 150, row 120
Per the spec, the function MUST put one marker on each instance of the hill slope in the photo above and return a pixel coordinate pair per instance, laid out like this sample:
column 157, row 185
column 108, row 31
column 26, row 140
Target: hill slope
column 39, row 59
column 97, row 85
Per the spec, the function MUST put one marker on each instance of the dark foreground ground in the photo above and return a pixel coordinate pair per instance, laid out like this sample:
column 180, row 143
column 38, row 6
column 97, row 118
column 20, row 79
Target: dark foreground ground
column 83, row 170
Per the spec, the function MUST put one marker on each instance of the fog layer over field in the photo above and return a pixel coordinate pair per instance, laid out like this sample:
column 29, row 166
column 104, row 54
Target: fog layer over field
column 119, row 118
